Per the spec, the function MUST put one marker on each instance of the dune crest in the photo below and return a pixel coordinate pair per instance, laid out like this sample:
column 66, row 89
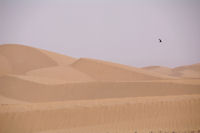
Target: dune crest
column 159, row 69
column 105, row 71
column 62, row 60
column 23, row 58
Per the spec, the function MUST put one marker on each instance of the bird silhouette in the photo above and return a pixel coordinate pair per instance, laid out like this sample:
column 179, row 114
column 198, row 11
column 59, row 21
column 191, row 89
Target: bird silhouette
column 159, row 40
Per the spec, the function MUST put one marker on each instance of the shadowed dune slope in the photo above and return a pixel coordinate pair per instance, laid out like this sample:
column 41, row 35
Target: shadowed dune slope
column 106, row 71
column 23, row 58
column 24, row 88
column 65, row 73
column 60, row 59
column 157, row 114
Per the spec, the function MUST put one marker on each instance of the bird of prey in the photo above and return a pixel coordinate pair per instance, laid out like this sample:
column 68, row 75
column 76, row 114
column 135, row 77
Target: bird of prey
column 159, row 40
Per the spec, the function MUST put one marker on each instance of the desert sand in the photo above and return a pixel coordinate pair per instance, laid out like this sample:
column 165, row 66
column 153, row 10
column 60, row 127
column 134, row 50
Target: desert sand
column 46, row 92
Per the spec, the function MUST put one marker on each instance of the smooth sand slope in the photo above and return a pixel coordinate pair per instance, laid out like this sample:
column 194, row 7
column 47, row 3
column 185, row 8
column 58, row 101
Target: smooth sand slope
column 5, row 65
column 65, row 73
column 46, row 92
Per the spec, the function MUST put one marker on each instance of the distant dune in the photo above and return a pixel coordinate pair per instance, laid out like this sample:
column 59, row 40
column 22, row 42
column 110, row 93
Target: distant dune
column 46, row 92
column 159, row 69
column 190, row 71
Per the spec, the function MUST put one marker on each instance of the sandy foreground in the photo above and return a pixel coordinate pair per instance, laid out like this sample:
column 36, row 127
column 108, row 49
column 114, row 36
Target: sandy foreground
column 46, row 92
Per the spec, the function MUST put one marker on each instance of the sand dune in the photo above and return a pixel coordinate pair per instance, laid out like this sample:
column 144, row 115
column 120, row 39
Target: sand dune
column 190, row 71
column 106, row 71
column 5, row 100
column 65, row 73
column 62, row 60
column 159, row 69
column 26, row 88
column 194, row 67
column 23, row 58
column 45, row 92
column 5, row 66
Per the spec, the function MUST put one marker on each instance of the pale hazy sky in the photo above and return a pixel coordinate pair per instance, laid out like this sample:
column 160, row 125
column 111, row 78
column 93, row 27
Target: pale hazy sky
column 123, row 31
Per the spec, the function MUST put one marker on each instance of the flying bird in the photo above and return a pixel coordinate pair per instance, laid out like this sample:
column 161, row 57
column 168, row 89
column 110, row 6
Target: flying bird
column 159, row 40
